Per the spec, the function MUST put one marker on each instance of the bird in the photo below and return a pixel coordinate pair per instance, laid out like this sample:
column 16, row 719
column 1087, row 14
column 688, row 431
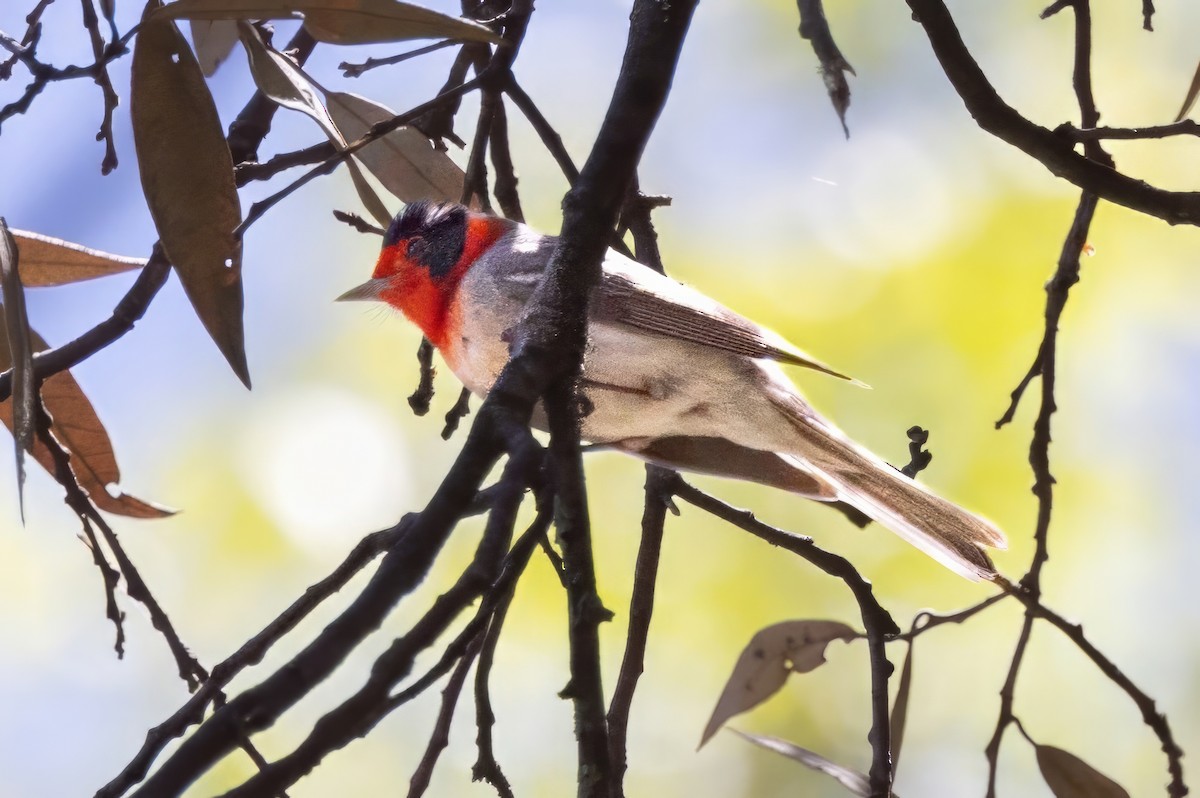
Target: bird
column 669, row 375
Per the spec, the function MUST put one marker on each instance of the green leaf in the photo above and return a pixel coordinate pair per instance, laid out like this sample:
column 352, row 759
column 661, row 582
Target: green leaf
column 404, row 161
column 187, row 178
column 764, row 665
column 47, row 261
column 342, row 21
column 20, row 351
column 283, row 82
column 1068, row 776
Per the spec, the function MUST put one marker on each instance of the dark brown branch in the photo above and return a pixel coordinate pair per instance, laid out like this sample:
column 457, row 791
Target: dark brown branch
column 877, row 622
column 815, row 28
column 438, row 123
column 111, row 578
column 250, row 171
column 475, row 182
column 585, row 612
column 641, row 608
column 251, row 653
column 514, row 566
column 1053, row 152
column 402, row 569
column 1185, row 127
column 359, row 713
column 505, row 186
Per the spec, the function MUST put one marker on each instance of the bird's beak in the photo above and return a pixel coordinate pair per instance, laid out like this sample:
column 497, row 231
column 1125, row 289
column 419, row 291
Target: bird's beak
column 367, row 292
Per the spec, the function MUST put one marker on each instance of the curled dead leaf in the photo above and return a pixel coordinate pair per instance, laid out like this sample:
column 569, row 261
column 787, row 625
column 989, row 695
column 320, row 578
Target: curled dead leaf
column 764, row 665
column 1190, row 99
column 187, row 178
column 852, row 780
column 283, row 82
column 214, row 40
column 47, row 261
column 19, row 354
column 404, row 161
column 78, row 429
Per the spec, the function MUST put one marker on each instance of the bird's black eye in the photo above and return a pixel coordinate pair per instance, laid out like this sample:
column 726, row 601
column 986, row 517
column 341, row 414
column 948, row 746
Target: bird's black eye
column 417, row 248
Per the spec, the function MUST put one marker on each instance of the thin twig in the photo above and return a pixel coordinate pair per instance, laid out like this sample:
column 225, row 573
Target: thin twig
column 358, row 223
column 506, row 173
column 354, row 70
column 834, row 66
column 1184, row 127
column 1058, row 155
column 877, row 622
column 550, row 138
column 105, row 134
column 440, row 737
column 924, row 621
column 641, row 609
column 421, row 397
column 1145, row 704
column 460, row 410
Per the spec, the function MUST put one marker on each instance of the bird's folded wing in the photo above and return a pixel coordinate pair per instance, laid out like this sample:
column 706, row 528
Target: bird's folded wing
column 631, row 294
column 634, row 295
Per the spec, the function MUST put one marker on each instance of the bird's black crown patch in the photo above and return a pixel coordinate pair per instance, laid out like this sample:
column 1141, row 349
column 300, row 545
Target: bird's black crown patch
column 436, row 232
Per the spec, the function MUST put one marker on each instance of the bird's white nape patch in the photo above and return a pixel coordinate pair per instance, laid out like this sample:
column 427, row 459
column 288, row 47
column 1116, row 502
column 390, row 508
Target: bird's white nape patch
column 526, row 240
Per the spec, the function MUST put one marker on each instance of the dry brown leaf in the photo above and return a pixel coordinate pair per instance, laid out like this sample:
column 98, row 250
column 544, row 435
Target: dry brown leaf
column 19, row 352
column 852, row 780
column 214, row 40
column 404, row 161
column 78, row 429
column 900, row 708
column 1068, row 776
column 342, row 21
column 1190, row 99
column 187, row 177
column 47, row 261
column 283, row 82
column 764, row 664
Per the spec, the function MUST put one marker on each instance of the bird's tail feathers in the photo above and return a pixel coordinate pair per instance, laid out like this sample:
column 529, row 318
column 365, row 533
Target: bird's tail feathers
column 943, row 530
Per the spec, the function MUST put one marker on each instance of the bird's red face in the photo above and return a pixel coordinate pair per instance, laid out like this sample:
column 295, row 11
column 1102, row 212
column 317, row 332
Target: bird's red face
column 426, row 251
